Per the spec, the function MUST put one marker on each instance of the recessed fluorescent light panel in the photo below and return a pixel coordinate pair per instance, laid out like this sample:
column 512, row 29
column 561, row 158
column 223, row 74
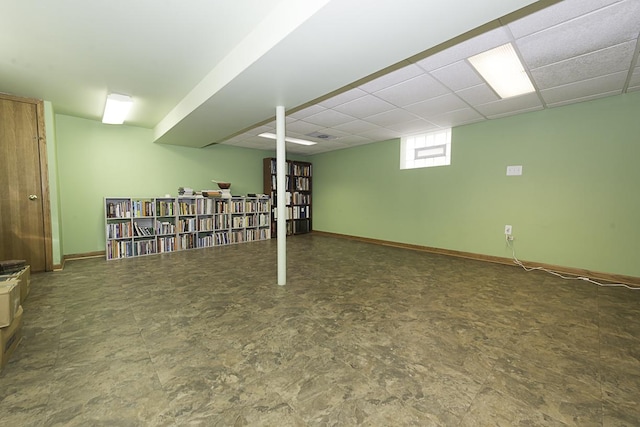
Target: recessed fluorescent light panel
column 294, row 140
column 503, row 71
column 116, row 109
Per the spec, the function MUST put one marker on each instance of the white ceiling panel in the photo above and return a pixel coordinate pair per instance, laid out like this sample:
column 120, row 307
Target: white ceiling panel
column 328, row 118
column 306, row 112
column 343, row 97
column 457, row 76
column 301, row 127
column 366, row 106
column 599, row 63
column 391, row 117
column 411, row 91
column 354, row 140
column 573, row 39
column 356, row 126
column 381, row 134
column 606, row 27
column 437, row 106
column 592, row 88
column 457, row 118
column 412, row 127
column 391, row 79
column 481, row 94
column 504, row 106
column 555, row 14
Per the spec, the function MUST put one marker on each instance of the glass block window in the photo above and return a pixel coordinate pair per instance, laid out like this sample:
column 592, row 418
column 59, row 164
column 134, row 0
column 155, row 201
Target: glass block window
column 426, row 150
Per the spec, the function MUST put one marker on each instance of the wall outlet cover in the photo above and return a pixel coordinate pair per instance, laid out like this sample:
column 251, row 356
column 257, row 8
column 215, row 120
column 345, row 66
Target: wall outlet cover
column 514, row 170
column 508, row 230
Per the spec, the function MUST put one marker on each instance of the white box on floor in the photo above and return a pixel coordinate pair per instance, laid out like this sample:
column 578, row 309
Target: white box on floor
column 9, row 301
column 10, row 338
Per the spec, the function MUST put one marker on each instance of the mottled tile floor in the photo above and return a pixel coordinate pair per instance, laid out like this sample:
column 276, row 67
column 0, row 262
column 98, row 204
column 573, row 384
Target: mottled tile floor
column 361, row 335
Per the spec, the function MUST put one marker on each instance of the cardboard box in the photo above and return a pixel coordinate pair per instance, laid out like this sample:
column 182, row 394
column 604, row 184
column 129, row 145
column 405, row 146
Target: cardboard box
column 10, row 338
column 25, row 283
column 24, row 276
column 9, row 301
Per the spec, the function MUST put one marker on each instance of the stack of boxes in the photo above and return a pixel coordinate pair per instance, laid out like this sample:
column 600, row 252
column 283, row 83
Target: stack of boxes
column 14, row 288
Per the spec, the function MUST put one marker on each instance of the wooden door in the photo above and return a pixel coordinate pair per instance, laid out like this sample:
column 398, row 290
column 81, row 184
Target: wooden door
column 24, row 222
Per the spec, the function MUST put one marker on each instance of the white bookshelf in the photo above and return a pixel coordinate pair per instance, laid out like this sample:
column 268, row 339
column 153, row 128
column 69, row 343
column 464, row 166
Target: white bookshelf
column 146, row 226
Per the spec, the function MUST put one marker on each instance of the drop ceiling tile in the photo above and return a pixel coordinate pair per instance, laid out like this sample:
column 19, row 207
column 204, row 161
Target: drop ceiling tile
column 457, row 118
column 602, row 62
column 554, row 15
column 606, row 27
column 355, row 126
column 392, row 78
column 347, row 96
column 391, row 117
column 586, row 88
column 306, row 112
column 457, row 76
column 353, row 140
column 331, row 132
column 412, row 127
column 437, row 106
column 329, row 118
column 412, row 91
column 509, row 106
column 460, row 51
column 365, row 106
column 325, row 146
column 362, row 142
column 302, row 127
column 380, row 134
column 476, row 95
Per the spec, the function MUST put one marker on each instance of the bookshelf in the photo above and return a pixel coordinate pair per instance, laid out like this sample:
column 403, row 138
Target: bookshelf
column 298, row 183
column 145, row 226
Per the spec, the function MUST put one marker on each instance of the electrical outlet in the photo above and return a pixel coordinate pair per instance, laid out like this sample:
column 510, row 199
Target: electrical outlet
column 508, row 230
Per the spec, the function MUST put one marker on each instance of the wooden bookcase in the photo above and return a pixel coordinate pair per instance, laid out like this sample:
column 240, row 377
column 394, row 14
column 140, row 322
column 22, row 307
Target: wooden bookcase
column 299, row 176
column 145, row 226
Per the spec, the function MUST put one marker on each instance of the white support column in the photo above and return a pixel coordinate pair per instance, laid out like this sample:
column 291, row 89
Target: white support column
column 281, row 191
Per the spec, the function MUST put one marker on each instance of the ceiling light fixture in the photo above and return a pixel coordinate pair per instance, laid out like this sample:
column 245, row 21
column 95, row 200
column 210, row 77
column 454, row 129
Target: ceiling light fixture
column 502, row 70
column 294, row 140
column 116, row 109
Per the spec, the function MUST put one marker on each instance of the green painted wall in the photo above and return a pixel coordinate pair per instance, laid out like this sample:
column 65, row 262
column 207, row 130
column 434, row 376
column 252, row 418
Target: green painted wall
column 97, row 161
column 577, row 203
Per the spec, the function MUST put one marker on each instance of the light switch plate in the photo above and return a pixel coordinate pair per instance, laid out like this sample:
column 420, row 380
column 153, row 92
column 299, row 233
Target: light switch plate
column 514, row 170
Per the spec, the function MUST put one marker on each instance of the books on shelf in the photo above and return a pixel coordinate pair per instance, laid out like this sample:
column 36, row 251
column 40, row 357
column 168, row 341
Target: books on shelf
column 136, row 227
column 298, row 185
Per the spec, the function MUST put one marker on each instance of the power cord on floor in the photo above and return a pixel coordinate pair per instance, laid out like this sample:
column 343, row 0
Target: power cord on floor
column 555, row 273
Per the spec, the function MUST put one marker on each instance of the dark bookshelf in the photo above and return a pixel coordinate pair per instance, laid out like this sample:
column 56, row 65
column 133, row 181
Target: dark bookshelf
column 298, row 187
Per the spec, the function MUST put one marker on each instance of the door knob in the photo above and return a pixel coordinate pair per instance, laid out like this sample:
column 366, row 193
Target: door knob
column 32, row 197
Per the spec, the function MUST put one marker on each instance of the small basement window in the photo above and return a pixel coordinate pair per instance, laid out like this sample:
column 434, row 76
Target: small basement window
column 426, row 150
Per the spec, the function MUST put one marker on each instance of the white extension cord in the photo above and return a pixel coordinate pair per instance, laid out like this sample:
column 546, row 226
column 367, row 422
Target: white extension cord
column 555, row 273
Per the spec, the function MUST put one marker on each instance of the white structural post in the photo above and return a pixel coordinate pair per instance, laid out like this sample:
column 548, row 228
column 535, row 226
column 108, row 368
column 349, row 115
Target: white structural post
column 281, row 191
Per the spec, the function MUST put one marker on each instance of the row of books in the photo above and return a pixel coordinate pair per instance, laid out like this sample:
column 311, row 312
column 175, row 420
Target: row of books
column 119, row 230
column 291, row 168
column 294, row 212
column 142, row 208
column 302, row 184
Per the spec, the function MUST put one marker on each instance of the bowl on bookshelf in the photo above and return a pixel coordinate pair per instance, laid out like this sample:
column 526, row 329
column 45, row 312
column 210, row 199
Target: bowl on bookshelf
column 224, row 185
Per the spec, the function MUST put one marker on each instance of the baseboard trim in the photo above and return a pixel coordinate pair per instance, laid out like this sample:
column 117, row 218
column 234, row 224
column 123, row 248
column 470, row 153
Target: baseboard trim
column 595, row 275
column 71, row 257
